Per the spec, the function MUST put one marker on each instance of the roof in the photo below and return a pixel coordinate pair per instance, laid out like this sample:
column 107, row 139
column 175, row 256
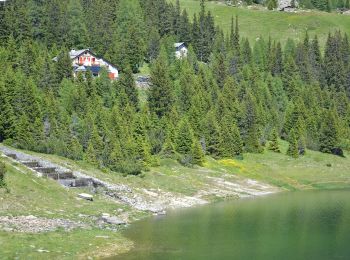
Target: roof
column 178, row 44
column 81, row 68
column 75, row 53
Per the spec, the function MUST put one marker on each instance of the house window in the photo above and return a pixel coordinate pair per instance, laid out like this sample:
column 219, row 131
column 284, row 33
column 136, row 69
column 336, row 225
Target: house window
column 93, row 60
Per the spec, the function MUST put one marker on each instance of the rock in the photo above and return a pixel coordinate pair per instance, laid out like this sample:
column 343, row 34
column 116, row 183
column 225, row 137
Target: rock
column 338, row 151
column 86, row 196
column 112, row 220
column 43, row 251
column 7, row 229
column 162, row 212
column 282, row 4
column 105, row 237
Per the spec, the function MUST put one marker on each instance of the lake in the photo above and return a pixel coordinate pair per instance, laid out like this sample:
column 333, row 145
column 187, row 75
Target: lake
column 294, row 225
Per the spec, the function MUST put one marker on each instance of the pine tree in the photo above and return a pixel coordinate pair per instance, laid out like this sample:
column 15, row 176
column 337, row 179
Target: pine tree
column 2, row 175
column 7, row 117
column 184, row 137
column 64, row 66
column 293, row 145
column 197, row 153
column 161, row 93
column 90, row 155
column 184, row 34
column 77, row 34
column 273, row 146
column 213, row 136
column 75, row 149
column 251, row 134
column 329, row 133
column 23, row 138
column 168, row 149
column 128, row 86
column 231, row 143
column 128, row 46
column 236, row 38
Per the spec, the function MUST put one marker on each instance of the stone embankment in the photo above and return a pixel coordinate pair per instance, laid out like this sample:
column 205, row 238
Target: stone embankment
column 152, row 200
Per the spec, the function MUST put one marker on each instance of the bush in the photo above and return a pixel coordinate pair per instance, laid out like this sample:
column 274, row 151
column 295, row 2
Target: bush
column 2, row 175
column 128, row 168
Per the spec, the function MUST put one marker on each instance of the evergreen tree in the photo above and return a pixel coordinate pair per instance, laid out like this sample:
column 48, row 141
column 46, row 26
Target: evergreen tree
column 128, row 86
column 2, row 175
column 184, row 34
column 273, row 146
column 329, row 133
column 7, row 117
column 184, row 137
column 161, row 93
column 23, row 138
column 77, row 34
column 231, row 143
column 293, row 146
column 90, row 155
column 64, row 66
column 197, row 153
column 213, row 136
column 75, row 149
column 128, row 40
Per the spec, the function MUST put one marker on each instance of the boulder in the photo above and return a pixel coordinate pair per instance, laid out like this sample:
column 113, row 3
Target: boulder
column 282, row 4
column 86, row 196
column 112, row 220
column 338, row 151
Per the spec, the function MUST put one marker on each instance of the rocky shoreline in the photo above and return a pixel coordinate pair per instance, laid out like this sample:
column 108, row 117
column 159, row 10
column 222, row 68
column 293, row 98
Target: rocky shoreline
column 154, row 201
column 33, row 224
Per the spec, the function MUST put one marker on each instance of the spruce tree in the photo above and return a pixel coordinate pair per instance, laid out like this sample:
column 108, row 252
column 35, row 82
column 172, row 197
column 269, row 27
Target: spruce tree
column 329, row 133
column 128, row 86
column 23, row 138
column 75, row 149
column 184, row 137
column 2, row 175
column 90, row 155
column 161, row 93
column 273, row 145
column 64, row 66
column 197, row 153
column 77, row 34
column 293, row 145
column 213, row 136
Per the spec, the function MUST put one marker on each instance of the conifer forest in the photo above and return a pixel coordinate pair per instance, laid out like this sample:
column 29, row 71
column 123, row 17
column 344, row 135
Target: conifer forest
column 228, row 97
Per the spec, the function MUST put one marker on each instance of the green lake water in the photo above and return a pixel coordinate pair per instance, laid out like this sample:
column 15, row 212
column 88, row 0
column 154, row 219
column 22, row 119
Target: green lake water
column 296, row 225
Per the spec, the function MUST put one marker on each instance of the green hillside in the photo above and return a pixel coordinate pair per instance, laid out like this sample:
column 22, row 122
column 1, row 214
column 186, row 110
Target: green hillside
column 278, row 25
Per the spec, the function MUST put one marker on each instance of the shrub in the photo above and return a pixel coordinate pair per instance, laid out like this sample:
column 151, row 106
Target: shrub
column 2, row 175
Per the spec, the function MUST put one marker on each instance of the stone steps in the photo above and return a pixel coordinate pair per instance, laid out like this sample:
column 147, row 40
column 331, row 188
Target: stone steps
column 66, row 179
column 45, row 170
column 31, row 164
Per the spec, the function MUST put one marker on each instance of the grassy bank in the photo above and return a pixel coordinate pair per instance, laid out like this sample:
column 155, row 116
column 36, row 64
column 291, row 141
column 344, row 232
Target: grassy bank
column 279, row 25
column 30, row 195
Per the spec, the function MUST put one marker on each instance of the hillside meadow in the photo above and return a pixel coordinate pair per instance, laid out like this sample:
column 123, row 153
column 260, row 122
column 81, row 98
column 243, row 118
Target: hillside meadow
column 278, row 25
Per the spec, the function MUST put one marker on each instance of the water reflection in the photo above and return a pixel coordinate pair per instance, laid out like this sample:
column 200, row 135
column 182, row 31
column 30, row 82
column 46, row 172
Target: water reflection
column 300, row 225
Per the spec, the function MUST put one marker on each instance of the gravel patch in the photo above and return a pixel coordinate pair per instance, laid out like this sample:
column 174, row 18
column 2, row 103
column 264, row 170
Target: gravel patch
column 33, row 224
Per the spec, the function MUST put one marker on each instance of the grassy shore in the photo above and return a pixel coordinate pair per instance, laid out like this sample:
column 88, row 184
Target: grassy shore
column 279, row 25
column 30, row 195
